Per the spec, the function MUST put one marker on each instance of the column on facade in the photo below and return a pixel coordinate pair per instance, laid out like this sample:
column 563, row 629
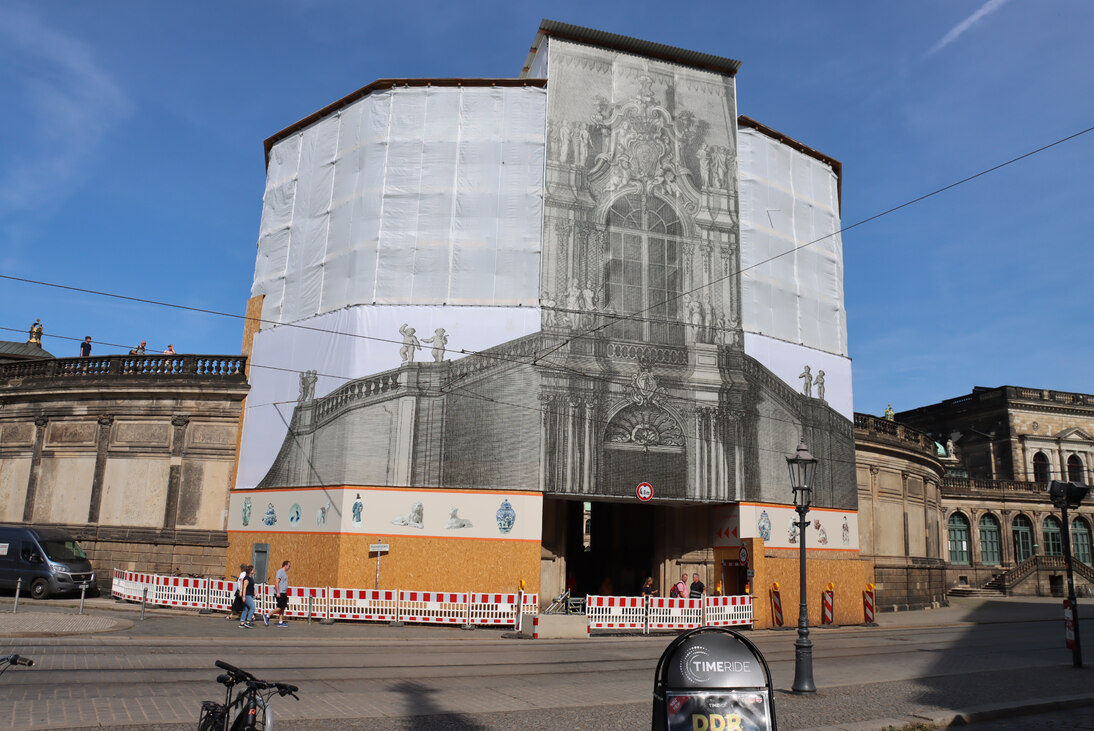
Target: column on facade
column 543, row 453
column 571, row 446
column 587, row 482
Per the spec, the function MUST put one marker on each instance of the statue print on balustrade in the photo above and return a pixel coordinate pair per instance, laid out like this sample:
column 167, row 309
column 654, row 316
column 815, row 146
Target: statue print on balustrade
column 356, row 510
column 414, row 519
column 246, row 512
column 270, row 518
column 809, row 382
column 307, row 386
column 411, row 343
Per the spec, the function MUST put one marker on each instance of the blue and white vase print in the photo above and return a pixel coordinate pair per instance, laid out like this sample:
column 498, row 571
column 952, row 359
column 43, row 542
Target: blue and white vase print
column 506, row 517
column 271, row 515
column 295, row 514
column 763, row 525
column 358, row 507
column 246, row 511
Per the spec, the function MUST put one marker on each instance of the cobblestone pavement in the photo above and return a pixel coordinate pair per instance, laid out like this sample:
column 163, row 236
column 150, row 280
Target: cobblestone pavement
column 35, row 623
column 154, row 674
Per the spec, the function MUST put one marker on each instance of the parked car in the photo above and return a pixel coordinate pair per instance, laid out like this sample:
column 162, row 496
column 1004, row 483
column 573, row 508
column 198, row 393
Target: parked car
column 48, row 560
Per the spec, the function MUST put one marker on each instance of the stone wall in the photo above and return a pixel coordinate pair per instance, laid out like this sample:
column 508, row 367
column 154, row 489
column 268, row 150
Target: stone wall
column 132, row 454
column 901, row 526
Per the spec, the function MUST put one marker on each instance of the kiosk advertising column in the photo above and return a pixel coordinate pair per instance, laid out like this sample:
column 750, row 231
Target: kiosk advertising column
column 712, row 679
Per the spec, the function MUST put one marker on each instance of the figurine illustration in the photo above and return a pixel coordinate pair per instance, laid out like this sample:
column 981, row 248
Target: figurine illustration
column 35, row 333
column 246, row 511
column 763, row 525
column 439, row 340
column 792, row 533
column 413, row 519
column 889, row 413
column 819, row 383
column 321, row 514
column 455, row 522
column 295, row 514
column 822, row 534
column 410, row 344
column 271, row 515
column 846, row 532
column 506, row 516
column 358, row 507
column 807, row 382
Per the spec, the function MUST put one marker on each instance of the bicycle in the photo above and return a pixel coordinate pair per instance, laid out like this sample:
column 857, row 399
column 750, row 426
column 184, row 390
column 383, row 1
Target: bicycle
column 6, row 661
column 251, row 704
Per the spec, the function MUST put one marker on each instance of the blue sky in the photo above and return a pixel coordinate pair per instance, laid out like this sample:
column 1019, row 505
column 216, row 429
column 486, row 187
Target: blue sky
column 132, row 158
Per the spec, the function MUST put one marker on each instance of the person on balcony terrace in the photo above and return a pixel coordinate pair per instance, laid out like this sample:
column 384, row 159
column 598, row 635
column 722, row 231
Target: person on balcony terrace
column 85, row 347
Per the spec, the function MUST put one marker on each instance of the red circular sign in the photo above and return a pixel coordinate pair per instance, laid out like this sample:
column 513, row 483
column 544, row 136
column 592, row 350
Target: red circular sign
column 644, row 491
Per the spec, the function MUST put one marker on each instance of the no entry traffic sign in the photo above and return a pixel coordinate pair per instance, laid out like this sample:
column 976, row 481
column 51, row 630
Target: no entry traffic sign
column 644, row 491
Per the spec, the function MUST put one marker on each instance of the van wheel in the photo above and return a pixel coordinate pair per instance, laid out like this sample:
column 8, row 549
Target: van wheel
column 39, row 589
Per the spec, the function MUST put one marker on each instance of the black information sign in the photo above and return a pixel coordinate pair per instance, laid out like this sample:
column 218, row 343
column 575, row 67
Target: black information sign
column 712, row 679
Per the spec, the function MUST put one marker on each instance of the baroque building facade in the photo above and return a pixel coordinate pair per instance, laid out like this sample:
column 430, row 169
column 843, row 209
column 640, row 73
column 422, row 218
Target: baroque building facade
column 132, row 455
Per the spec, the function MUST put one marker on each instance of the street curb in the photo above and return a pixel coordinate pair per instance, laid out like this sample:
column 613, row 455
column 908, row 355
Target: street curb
column 975, row 714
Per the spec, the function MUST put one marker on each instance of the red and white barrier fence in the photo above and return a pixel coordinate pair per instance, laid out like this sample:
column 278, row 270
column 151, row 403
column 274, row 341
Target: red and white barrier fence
column 494, row 609
column 501, row 609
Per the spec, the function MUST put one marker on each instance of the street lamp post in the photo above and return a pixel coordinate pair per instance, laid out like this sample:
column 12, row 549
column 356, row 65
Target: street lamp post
column 803, row 467
column 1066, row 495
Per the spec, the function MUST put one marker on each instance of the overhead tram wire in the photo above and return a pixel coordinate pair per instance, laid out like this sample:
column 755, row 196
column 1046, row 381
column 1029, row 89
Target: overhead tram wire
column 633, row 315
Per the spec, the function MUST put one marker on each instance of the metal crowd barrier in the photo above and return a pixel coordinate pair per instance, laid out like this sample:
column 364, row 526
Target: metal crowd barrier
column 663, row 613
column 498, row 609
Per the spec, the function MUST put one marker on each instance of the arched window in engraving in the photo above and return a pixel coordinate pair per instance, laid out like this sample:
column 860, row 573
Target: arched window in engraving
column 1041, row 470
column 644, row 274
column 990, row 543
column 1054, row 543
column 1023, row 538
column 959, row 539
column 1080, row 540
column 1075, row 468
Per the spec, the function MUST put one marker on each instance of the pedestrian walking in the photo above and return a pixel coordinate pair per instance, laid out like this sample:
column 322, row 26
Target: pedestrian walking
column 85, row 347
column 281, row 578
column 248, row 598
column 237, row 593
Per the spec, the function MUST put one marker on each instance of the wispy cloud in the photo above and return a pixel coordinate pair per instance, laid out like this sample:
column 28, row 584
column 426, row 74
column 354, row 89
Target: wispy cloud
column 958, row 30
column 60, row 104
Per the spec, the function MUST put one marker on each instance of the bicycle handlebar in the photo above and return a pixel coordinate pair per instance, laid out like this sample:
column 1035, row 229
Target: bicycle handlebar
column 17, row 660
column 238, row 674
column 234, row 670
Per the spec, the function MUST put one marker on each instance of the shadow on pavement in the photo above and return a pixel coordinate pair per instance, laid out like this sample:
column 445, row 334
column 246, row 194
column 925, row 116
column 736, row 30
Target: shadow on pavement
column 1021, row 658
column 427, row 715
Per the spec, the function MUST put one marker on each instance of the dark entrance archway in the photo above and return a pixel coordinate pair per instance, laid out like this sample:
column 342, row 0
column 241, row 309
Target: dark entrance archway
column 620, row 554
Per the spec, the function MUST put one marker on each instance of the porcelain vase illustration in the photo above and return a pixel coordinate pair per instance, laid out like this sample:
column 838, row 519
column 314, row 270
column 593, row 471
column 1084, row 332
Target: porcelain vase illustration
column 246, row 511
column 506, row 517
column 763, row 525
column 294, row 514
column 271, row 516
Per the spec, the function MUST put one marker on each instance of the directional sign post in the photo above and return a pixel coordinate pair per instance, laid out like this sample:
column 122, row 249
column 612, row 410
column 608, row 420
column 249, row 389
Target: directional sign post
column 644, row 491
column 378, row 548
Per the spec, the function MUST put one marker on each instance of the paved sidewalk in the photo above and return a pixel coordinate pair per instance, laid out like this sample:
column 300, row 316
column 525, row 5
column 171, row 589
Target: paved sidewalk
column 51, row 624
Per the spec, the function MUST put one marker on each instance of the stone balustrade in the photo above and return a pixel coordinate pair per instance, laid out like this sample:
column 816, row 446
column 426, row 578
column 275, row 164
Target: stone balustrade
column 893, row 432
column 227, row 367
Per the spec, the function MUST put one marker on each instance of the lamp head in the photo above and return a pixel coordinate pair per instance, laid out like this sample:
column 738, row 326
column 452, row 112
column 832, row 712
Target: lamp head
column 1067, row 494
column 802, row 467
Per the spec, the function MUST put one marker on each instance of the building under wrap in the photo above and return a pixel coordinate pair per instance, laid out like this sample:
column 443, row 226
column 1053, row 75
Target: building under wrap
column 492, row 309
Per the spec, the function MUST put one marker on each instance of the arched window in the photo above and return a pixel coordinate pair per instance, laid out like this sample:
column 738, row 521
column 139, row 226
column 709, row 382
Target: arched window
column 959, row 539
column 1054, row 543
column 990, row 541
column 1041, row 472
column 1023, row 538
column 1080, row 540
column 1075, row 468
column 644, row 269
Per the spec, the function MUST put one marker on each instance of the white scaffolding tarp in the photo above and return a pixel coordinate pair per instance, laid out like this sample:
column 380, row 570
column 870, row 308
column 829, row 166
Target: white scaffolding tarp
column 789, row 199
column 420, row 195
